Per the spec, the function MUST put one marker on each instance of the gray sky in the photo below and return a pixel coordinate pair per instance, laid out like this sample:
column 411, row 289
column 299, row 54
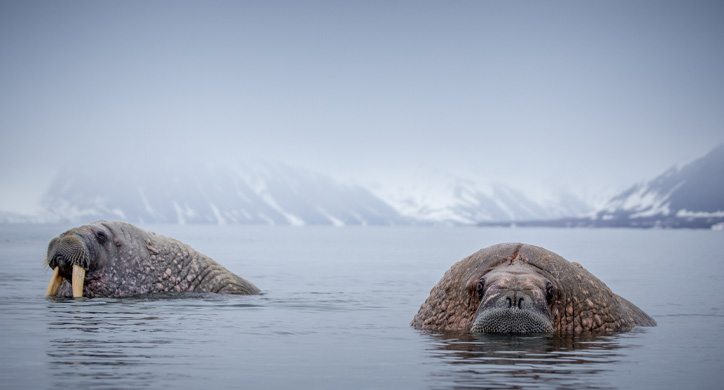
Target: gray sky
column 596, row 94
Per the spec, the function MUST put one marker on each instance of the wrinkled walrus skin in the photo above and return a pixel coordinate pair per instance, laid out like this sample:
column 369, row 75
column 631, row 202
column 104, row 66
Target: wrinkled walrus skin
column 517, row 288
column 118, row 259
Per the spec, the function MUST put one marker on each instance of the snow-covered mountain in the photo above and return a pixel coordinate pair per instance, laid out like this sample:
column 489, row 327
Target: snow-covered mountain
column 685, row 196
column 273, row 194
column 691, row 194
column 278, row 194
column 448, row 199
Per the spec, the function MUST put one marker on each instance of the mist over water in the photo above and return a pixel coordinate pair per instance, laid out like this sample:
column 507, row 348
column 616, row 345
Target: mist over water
column 585, row 98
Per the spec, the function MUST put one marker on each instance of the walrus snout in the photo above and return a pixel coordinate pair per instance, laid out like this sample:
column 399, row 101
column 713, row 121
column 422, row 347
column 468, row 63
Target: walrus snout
column 511, row 320
column 513, row 310
column 67, row 252
column 69, row 258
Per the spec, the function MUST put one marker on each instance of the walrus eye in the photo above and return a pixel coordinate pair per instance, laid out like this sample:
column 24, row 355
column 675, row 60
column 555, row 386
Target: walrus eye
column 550, row 291
column 480, row 287
column 101, row 237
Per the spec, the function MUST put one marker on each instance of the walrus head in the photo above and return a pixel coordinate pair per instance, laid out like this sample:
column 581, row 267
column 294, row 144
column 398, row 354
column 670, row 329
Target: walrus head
column 514, row 299
column 76, row 252
column 518, row 288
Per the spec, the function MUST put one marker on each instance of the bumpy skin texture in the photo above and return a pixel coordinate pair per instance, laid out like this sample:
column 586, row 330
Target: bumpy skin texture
column 123, row 260
column 579, row 302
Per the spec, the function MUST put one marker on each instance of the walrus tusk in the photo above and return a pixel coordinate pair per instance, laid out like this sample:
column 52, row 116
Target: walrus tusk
column 78, row 279
column 54, row 283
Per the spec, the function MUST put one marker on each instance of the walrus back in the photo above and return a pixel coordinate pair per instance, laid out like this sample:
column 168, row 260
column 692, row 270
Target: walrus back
column 197, row 272
column 639, row 317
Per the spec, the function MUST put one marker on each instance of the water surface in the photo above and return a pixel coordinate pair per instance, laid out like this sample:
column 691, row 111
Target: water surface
column 336, row 309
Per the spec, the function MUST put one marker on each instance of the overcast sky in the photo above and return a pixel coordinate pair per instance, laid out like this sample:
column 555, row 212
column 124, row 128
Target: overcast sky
column 599, row 94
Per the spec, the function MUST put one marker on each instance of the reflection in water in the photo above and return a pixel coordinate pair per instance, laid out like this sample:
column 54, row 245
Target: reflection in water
column 110, row 343
column 524, row 361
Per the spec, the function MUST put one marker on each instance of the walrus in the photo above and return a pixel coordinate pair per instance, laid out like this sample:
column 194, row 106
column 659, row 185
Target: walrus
column 518, row 288
column 118, row 259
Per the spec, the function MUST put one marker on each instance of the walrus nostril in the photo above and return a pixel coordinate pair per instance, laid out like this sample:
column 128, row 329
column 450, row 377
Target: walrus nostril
column 513, row 301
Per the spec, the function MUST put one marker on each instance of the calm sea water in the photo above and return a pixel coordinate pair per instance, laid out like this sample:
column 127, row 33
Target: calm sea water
column 336, row 309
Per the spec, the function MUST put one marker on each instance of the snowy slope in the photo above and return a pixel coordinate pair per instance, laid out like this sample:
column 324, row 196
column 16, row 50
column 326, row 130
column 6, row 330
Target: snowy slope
column 685, row 196
column 278, row 194
column 273, row 194
column 437, row 197
column 695, row 190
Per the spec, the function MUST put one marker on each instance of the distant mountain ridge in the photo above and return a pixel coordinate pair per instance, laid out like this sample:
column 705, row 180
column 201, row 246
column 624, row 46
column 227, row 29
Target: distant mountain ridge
column 688, row 196
column 277, row 194
column 694, row 189
column 269, row 194
column 443, row 198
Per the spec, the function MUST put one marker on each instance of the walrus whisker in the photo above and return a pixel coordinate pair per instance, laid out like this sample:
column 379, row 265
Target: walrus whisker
column 81, row 260
column 513, row 320
column 75, row 254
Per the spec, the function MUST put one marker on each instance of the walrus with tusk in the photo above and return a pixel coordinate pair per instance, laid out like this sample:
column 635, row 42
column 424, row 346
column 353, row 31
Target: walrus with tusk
column 517, row 288
column 118, row 259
